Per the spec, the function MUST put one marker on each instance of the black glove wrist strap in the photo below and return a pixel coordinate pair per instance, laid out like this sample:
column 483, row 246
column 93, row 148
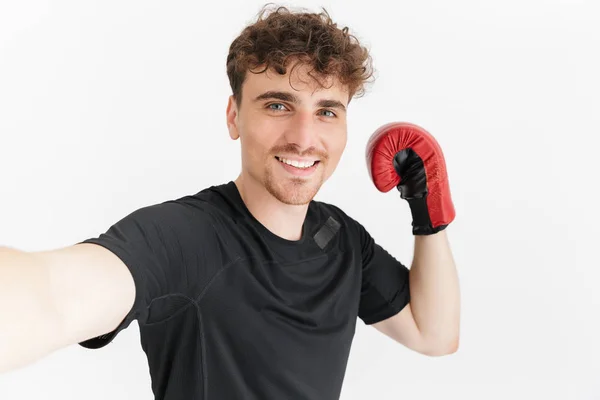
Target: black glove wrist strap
column 421, row 221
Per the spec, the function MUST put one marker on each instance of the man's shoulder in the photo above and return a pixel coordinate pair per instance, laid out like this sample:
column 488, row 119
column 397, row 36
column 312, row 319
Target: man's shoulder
column 210, row 200
column 199, row 209
column 330, row 210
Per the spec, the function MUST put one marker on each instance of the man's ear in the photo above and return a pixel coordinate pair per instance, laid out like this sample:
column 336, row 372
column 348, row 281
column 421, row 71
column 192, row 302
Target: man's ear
column 232, row 120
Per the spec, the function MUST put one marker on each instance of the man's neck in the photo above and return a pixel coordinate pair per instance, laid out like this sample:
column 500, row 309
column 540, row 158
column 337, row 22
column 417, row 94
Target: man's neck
column 281, row 219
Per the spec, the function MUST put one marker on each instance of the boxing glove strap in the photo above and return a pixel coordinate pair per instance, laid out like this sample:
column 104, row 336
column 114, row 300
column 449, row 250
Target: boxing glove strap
column 421, row 221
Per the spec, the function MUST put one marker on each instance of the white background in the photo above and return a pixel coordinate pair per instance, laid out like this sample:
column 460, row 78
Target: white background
column 109, row 106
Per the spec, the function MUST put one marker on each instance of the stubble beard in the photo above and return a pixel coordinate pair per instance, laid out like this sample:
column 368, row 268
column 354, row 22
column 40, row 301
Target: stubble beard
column 293, row 191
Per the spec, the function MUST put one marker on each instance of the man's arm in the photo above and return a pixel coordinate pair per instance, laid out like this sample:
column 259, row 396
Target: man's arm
column 430, row 324
column 52, row 299
column 407, row 157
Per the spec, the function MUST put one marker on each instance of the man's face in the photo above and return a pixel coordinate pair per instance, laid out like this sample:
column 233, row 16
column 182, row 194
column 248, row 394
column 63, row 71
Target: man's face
column 289, row 119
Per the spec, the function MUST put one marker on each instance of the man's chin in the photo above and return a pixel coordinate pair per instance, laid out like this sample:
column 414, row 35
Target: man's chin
column 294, row 191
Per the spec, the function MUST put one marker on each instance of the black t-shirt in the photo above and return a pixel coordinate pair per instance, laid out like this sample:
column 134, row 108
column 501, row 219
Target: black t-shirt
column 229, row 310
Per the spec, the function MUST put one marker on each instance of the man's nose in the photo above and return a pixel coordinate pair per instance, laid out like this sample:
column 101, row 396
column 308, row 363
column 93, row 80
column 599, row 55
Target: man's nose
column 302, row 131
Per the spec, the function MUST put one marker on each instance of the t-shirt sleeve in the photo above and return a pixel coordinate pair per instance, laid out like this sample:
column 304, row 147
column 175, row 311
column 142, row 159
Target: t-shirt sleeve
column 154, row 243
column 385, row 287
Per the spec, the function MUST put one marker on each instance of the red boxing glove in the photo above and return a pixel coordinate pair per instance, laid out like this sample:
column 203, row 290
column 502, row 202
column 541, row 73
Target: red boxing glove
column 408, row 157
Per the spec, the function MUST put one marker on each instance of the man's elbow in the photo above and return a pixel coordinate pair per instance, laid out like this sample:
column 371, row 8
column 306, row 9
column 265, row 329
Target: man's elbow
column 442, row 348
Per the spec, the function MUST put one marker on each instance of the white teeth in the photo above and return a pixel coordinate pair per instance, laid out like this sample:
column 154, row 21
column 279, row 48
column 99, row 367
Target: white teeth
column 296, row 164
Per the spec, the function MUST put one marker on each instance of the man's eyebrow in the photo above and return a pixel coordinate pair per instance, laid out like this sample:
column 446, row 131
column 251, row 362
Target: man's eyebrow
column 273, row 94
column 326, row 103
column 291, row 98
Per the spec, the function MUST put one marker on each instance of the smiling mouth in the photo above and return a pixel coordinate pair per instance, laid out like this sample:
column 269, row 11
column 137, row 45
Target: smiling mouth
column 297, row 164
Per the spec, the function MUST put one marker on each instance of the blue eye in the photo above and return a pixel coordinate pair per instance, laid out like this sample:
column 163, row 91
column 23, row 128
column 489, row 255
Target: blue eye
column 332, row 114
column 270, row 106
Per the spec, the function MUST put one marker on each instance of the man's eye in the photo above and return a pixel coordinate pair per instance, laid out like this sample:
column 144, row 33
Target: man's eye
column 331, row 113
column 274, row 106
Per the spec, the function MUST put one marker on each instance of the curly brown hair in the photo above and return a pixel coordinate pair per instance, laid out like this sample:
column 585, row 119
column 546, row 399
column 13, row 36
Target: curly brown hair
column 282, row 36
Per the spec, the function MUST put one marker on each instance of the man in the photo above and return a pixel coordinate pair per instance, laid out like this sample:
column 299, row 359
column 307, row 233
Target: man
column 250, row 289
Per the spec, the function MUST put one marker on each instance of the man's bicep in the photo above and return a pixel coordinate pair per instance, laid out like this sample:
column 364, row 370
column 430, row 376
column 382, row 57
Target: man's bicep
column 168, row 249
column 92, row 290
column 385, row 289
column 402, row 327
column 146, row 242
column 385, row 300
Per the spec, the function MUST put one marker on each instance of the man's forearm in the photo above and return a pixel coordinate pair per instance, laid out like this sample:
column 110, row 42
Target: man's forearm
column 28, row 323
column 435, row 294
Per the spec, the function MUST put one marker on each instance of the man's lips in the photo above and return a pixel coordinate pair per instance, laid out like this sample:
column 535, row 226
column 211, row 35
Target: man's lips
column 297, row 159
column 304, row 168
